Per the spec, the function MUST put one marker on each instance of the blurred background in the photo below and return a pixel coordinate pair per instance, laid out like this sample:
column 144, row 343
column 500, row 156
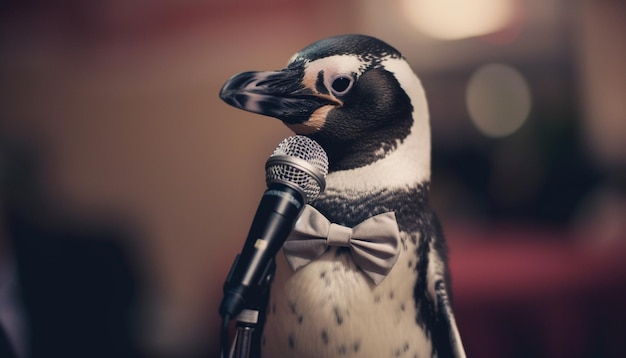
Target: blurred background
column 109, row 118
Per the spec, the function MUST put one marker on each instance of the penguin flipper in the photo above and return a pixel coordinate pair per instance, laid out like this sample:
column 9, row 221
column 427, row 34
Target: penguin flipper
column 453, row 347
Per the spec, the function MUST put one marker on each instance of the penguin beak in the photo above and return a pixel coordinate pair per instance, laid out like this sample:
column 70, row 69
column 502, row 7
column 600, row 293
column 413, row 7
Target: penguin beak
column 278, row 94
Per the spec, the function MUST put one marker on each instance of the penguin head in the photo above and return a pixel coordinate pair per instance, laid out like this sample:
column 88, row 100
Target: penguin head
column 354, row 94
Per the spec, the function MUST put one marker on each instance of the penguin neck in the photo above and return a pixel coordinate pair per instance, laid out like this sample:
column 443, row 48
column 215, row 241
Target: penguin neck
column 406, row 165
column 362, row 152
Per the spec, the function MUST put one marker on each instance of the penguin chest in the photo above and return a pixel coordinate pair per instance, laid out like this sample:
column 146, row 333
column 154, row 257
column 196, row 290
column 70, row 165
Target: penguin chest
column 330, row 308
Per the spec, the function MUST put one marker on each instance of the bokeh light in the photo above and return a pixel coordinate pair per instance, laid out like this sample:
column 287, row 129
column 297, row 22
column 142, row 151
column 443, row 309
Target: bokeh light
column 457, row 19
column 498, row 99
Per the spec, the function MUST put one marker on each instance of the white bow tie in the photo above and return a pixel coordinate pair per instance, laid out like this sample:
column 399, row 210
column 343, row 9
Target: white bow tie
column 374, row 243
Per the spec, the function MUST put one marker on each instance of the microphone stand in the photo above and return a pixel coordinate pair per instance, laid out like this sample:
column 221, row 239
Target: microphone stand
column 249, row 322
column 246, row 327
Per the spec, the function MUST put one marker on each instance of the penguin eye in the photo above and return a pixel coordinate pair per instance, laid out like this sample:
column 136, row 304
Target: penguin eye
column 341, row 84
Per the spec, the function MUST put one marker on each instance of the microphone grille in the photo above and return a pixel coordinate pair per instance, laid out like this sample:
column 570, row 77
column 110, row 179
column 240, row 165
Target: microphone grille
column 301, row 163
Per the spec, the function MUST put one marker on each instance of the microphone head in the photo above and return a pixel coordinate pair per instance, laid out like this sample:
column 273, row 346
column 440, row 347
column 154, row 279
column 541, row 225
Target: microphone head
column 300, row 163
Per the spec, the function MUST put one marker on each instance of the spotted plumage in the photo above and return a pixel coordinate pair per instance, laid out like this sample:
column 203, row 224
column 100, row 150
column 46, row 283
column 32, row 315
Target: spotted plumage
column 358, row 98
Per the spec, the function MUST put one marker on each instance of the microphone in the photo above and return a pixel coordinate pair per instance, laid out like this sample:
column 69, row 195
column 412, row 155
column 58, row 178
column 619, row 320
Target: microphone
column 295, row 174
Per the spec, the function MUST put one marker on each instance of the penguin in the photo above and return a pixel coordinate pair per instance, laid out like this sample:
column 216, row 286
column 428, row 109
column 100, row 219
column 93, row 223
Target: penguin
column 360, row 100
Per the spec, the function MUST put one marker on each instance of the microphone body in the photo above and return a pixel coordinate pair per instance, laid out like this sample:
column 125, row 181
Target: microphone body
column 275, row 217
column 295, row 174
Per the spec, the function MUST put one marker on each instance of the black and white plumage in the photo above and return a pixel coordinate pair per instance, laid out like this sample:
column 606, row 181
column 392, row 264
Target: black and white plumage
column 358, row 98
